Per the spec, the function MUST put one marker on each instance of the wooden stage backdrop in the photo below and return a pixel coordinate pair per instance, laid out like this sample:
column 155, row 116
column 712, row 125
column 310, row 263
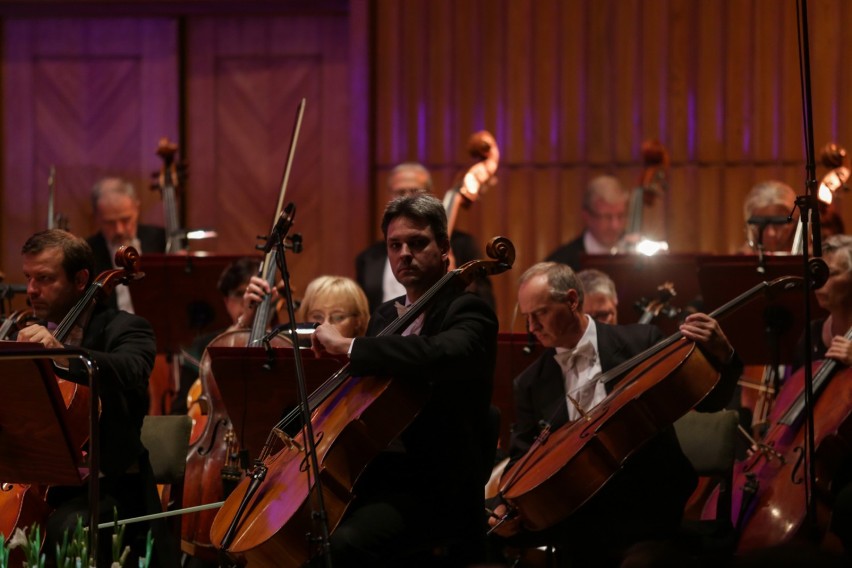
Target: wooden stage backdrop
column 570, row 90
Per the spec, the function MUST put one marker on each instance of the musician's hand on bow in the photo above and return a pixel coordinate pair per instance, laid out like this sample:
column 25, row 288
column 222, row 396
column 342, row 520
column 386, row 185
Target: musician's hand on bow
column 705, row 331
column 328, row 339
column 840, row 350
column 40, row 334
column 501, row 523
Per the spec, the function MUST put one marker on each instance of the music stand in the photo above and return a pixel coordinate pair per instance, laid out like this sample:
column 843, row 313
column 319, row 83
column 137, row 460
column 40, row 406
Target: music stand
column 36, row 441
column 259, row 387
column 724, row 277
column 512, row 360
column 179, row 297
column 637, row 276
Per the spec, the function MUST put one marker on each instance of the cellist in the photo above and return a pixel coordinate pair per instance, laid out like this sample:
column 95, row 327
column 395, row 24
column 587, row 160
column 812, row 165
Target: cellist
column 59, row 267
column 645, row 499
column 829, row 342
column 426, row 490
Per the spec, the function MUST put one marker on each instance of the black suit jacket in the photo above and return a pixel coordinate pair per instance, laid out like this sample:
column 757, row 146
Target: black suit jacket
column 370, row 267
column 123, row 348
column 447, row 443
column 152, row 239
column 569, row 253
column 646, row 496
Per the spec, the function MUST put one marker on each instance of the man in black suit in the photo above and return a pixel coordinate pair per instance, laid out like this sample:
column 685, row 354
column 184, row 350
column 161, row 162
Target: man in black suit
column 426, row 488
column 604, row 212
column 372, row 271
column 116, row 208
column 645, row 498
column 58, row 267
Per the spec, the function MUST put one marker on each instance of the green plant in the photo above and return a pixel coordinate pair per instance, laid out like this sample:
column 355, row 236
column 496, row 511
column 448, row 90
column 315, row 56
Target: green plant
column 71, row 553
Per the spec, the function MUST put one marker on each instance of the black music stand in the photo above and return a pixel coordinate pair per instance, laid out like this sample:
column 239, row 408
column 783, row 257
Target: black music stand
column 258, row 387
column 36, row 440
column 514, row 354
column 637, row 276
column 179, row 297
column 751, row 328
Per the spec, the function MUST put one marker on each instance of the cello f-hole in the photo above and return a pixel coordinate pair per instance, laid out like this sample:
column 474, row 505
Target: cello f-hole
column 207, row 450
column 795, row 476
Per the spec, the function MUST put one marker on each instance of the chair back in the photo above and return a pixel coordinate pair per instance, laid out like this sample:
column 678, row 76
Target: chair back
column 167, row 441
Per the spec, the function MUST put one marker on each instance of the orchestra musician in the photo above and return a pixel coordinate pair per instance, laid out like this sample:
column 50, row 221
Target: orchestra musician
column 645, row 499
column 337, row 300
column 771, row 198
column 425, row 490
column 373, row 272
column 604, row 213
column 116, row 209
column 829, row 342
column 600, row 300
column 59, row 267
column 232, row 285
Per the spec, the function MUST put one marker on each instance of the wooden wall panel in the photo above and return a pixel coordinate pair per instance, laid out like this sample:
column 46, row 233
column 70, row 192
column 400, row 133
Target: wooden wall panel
column 91, row 97
column 573, row 88
column 570, row 89
column 246, row 77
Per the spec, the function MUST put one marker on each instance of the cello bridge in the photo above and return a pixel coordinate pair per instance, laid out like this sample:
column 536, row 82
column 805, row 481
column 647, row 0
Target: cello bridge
column 287, row 440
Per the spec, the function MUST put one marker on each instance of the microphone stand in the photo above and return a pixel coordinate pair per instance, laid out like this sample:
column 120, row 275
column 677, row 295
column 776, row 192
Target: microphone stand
column 277, row 239
column 320, row 515
column 815, row 271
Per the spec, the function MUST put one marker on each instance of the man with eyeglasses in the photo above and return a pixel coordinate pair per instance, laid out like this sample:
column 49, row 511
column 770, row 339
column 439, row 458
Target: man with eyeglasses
column 604, row 212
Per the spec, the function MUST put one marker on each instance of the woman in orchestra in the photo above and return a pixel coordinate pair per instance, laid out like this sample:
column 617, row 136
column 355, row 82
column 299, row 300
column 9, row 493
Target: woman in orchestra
column 829, row 337
column 337, row 300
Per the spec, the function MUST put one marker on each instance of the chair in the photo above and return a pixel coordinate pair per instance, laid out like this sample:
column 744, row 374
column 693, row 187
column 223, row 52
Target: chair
column 708, row 440
column 167, row 441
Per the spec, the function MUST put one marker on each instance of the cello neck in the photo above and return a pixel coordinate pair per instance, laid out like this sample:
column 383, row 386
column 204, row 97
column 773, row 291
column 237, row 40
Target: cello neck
column 174, row 240
column 264, row 309
column 820, row 380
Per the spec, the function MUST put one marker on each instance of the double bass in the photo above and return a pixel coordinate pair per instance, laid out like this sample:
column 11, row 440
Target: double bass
column 268, row 517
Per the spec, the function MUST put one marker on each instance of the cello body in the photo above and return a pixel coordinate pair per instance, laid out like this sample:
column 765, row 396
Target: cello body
column 351, row 426
column 571, row 464
column 213, row 447
column 777, row 511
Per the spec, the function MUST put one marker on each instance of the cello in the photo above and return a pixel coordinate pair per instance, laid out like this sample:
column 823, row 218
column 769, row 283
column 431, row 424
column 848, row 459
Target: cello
column 20, row 504
column 565, row 467
column 268, row 516
column 211, row 464
column 772, row 506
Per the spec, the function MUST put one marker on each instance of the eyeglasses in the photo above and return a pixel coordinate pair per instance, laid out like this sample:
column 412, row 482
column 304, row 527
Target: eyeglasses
column 333, row 318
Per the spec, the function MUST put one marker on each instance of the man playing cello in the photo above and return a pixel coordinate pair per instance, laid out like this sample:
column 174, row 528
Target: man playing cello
column 58, row 267
column 644, row 500
column 426, row 490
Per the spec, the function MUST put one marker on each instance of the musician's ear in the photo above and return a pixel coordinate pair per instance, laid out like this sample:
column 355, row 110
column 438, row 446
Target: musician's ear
column 572, row 298
column 81, row 280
